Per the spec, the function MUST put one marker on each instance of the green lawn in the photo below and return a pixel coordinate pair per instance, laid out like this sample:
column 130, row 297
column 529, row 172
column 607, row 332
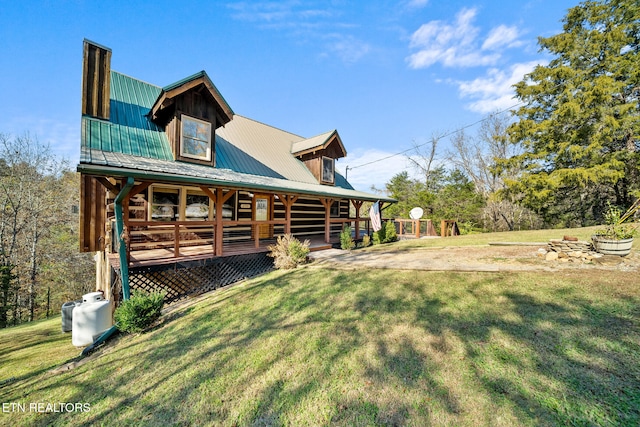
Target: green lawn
column 317, row 346
column 511, row 236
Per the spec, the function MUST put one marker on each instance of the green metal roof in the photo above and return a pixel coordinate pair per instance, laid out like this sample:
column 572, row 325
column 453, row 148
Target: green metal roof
column 128, row 130
column 249, row 154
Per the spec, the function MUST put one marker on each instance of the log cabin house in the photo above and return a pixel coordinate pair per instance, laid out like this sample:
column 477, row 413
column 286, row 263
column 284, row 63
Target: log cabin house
column 178, row 193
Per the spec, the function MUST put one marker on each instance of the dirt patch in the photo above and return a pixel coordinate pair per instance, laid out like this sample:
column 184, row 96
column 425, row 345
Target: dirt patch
column 469, row 258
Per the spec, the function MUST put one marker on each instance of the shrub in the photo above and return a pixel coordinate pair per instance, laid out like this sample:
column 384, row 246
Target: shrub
column 138, row 312
column 288, row 252
column 390, row 234
column 386, row 234
column 376, row 236
column 366, row 241
column 346, row 241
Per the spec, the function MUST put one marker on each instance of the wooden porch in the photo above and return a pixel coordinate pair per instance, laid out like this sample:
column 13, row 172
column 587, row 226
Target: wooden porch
column 177, row 254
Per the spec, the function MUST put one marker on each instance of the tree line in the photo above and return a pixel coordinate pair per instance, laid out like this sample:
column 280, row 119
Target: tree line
column 40, row 263
column 567, row 152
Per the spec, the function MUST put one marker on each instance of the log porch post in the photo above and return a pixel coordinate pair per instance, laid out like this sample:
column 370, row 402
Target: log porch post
column 287, row 202
column 357, row 204
column 327, row 218
column 219, row 199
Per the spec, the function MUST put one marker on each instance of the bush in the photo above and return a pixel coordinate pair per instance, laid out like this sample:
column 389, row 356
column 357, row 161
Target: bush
column 138, row 312
column 288, row 252
column 386, row 234
column 346, row 241
column 390, row 234
column 376, row 236
column 366, row 241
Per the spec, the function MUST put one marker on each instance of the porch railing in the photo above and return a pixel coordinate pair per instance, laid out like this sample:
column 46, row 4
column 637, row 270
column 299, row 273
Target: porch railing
column 414, row 228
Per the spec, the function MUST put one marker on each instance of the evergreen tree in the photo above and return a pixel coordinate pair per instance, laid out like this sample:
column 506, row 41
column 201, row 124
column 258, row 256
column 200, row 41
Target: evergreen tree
column 580, row 120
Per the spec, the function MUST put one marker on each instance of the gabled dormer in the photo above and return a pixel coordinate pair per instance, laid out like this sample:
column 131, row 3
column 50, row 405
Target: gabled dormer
column 319, row 155
column 191, row 110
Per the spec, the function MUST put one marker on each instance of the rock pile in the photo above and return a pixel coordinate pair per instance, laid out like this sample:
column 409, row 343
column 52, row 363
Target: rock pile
column 569, row 250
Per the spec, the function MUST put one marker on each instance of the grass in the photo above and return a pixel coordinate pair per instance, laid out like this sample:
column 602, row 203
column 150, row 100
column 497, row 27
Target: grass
column 511, row 236
column 318, row 346
column 32, row 349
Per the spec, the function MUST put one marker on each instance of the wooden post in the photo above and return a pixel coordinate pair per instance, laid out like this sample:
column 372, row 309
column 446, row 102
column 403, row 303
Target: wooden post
column 287, row 202
column 221, row 198
column 357, row 204
column 256, row 232
column 416, row 224
column 211, row 196
column 327, row 218
column 176, row 241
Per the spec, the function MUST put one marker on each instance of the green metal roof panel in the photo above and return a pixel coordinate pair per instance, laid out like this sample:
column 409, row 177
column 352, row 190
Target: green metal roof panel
column 128, row 130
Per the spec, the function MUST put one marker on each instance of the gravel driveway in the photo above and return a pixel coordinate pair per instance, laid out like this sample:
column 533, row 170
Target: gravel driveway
column 466, row 258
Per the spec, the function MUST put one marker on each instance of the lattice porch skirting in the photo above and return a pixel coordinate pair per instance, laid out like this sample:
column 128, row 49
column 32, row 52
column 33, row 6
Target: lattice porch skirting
column 187, row 278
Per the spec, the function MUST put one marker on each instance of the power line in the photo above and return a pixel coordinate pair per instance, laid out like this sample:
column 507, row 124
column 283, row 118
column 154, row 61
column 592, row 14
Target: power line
column 439, row 138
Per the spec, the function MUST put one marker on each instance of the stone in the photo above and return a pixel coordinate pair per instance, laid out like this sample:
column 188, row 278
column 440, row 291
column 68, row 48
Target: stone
column 551, row 256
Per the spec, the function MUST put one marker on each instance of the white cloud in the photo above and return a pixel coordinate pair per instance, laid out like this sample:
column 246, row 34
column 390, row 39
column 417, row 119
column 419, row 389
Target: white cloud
column 458, row 44
column 494, row 91
column 417, row 3
column 348, row 48
column 306, row 24
column 502, row 36
column 272, row 12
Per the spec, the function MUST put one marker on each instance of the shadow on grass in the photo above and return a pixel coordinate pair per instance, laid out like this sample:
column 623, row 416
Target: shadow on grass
column 267, row 352
column 587, row 349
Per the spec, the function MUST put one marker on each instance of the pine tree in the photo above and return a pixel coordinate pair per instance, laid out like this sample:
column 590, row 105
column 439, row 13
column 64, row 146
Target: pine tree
column 580, row 121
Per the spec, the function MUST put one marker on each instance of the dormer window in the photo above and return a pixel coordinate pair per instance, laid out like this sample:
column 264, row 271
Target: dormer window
column 328, row 170
column 195, row 139
column 319, row 154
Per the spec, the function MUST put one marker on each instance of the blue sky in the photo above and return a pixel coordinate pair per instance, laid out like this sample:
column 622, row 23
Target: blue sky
column 386, row 74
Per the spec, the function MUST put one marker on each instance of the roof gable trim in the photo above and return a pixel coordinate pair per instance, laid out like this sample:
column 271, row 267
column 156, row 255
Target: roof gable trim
column 169, row 92
column 307, row 146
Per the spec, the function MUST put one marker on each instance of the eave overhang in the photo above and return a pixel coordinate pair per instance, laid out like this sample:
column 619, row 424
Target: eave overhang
column 154, row 170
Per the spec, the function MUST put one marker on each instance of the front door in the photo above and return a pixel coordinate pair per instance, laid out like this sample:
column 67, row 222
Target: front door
column 263, row 213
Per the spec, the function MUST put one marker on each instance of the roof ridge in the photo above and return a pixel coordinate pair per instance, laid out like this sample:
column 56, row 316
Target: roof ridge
column 273, row 127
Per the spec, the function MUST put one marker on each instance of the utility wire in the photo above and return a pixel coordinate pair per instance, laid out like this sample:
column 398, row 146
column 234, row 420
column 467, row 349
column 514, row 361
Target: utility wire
column 439, row 138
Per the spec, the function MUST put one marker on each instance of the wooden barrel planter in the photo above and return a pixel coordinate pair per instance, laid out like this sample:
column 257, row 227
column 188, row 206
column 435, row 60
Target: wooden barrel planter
column 608, row 246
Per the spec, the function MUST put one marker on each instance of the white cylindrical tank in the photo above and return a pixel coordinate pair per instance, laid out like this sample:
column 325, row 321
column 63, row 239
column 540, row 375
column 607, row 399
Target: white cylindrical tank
column 90, row 319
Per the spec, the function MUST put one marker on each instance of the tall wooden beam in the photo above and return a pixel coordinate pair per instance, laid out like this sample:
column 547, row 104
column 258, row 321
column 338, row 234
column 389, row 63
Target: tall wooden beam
column 287, row 201
column 327, row 218
column 220, row 198
column 357, row 204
